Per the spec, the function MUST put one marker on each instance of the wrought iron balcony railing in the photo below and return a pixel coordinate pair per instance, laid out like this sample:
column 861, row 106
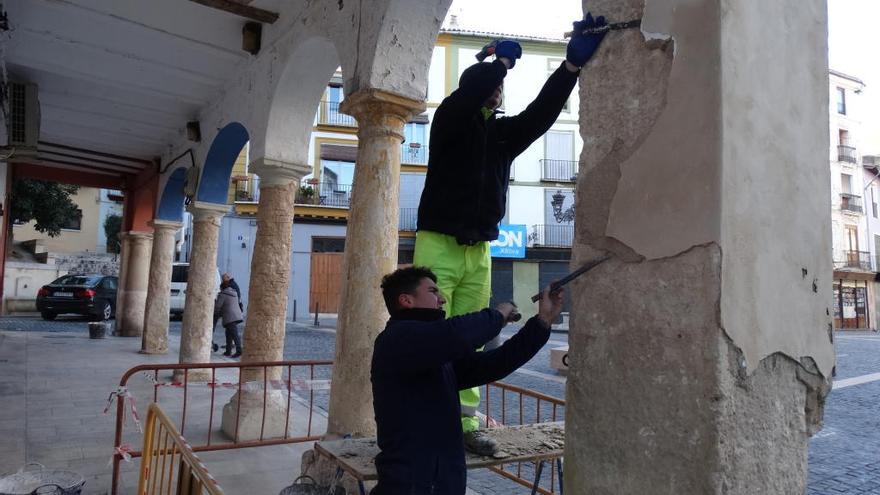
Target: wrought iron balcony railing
column 560, row 235
column 329, row 114
column 324, row 194
column 857, row 259
column 407, row 221
column 850, row 202
column 558, row 170
column 846, row 154
column 414, row 153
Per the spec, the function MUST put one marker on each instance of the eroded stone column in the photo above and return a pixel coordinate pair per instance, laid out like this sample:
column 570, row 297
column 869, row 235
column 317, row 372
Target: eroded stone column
column 201, row 286
column 156, row 315
column 370, row 252
column 123, row 272
column 263, row 338
column 133, row 290
column 701, row 353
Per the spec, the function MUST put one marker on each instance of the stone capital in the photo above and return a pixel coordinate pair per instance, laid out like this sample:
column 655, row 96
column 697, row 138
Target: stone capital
column 203, row 211
column 381, row 112
column 164, row 224
column 274, row 172
column 134, row 236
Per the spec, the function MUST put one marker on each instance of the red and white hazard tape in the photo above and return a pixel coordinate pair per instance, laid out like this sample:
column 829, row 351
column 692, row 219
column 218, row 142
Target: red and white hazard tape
column 295, row 385
column 122, row 394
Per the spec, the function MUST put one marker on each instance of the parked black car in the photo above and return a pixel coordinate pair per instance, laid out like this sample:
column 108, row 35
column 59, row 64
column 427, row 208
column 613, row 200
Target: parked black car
column 90, row 295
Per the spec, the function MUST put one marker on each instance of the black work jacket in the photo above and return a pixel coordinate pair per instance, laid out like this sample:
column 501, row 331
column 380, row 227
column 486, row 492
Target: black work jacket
column 469, row 160
column 419, row 365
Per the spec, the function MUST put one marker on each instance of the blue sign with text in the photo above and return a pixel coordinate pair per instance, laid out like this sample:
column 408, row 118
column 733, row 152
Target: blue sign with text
column 511, row 242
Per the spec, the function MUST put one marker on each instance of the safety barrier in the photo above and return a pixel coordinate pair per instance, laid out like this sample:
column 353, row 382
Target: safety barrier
column 163, row 446
column 300, row 380
column 504, row 404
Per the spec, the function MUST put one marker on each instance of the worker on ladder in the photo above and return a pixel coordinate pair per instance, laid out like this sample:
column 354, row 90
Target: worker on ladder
column 465, row 193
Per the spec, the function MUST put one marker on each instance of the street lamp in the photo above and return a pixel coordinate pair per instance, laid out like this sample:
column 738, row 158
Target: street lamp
column 559, row 214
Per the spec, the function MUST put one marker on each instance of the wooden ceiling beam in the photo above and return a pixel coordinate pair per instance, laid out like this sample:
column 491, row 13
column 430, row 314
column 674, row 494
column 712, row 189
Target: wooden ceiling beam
column 246, row 11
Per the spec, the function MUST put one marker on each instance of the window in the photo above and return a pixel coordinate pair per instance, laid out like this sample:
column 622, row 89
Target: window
column 558, row 164
column 873, row 203
column 109, row 283
column 179, row 273
column 843, row 137
column 328, row 244
column 74, row 222
column 846, row 183
column 552, row 65
column 841, row 101
column 336, row 173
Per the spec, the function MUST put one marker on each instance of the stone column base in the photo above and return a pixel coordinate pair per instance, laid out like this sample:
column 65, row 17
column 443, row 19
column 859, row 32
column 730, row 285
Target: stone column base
column 194, row 375
column 250, row 416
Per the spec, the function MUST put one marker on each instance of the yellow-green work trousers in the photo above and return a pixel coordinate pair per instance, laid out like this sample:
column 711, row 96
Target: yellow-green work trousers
column 464, row 276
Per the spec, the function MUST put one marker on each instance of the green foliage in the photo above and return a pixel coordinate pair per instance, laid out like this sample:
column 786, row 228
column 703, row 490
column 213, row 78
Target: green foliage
column 48, row 203
column 112, row 226
column 306, row 192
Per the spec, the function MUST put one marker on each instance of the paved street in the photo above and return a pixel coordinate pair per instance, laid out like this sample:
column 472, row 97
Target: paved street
column 843, row 456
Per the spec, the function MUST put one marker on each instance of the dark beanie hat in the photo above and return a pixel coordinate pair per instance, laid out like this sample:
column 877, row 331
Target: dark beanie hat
column 475, row 72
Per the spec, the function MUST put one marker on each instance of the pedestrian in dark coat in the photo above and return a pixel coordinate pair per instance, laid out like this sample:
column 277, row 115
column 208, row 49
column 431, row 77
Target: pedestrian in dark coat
column 420, row 362
column 226, row 277
column 228, row 309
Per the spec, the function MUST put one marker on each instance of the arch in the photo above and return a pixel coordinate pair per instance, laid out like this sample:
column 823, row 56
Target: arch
column 295, row 98
column 171, row 204
column 214, row 180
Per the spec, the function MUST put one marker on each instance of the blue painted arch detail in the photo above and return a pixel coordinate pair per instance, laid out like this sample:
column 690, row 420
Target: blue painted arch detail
column 214, row 182
column 171, row 204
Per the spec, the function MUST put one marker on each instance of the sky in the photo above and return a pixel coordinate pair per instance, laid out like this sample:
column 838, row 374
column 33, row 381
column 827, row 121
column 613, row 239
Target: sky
column 852, row 39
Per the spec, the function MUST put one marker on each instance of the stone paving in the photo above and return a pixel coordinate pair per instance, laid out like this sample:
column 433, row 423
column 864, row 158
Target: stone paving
column 843, row 456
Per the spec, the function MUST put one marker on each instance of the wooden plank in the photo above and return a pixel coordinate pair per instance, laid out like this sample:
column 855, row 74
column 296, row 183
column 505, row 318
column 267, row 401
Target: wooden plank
column 246, row 11
column 525, row 443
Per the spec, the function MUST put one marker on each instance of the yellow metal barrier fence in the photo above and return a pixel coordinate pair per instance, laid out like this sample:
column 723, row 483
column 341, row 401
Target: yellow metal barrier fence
column 164, row 446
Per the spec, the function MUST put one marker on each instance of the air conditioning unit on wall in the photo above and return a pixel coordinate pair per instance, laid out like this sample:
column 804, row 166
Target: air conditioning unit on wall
column 24, row 117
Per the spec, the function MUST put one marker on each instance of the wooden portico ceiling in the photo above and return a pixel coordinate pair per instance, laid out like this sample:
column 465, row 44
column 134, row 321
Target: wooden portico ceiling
column 119, row 79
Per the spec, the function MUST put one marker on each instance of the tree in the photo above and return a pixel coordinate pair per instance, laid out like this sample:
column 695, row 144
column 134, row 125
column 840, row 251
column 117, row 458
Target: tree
column 112, row 226
column 48, row 203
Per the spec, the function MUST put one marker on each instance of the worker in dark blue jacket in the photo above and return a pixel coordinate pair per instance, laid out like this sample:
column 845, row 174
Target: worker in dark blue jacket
column 465, row 194
column 420, row 362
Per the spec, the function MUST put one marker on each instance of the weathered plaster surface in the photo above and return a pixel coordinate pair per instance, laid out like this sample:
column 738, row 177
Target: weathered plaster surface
column 663, row 402
column 134, row 291
column 700, row 357
column 709, row 145
column 775, row 226
column 370, row 253
column 155, row 338
column 198, row 311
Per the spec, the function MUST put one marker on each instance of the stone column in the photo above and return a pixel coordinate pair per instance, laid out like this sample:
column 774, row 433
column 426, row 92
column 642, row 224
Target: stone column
column 123, row 272
column 370, row 252
column 133, row 289
column 701, row 353
column 155, row 339
column 201, row 287
column 263, row 338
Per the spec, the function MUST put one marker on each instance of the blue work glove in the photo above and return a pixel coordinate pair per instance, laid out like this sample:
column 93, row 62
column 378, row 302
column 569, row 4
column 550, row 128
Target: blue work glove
column 508, row 49
column 582, row 46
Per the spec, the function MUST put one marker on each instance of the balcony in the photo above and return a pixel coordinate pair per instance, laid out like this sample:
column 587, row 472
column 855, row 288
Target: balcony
column 850, row 202
column 329, row 114
column 414, row 153
column 407, row 221
column 560, row 235
column 558, row 170
column 846, row 154
column 324, row 194
column 246, row 189
column 857, row 259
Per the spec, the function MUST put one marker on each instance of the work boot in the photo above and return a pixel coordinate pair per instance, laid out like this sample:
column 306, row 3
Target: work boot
column 480, row 443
